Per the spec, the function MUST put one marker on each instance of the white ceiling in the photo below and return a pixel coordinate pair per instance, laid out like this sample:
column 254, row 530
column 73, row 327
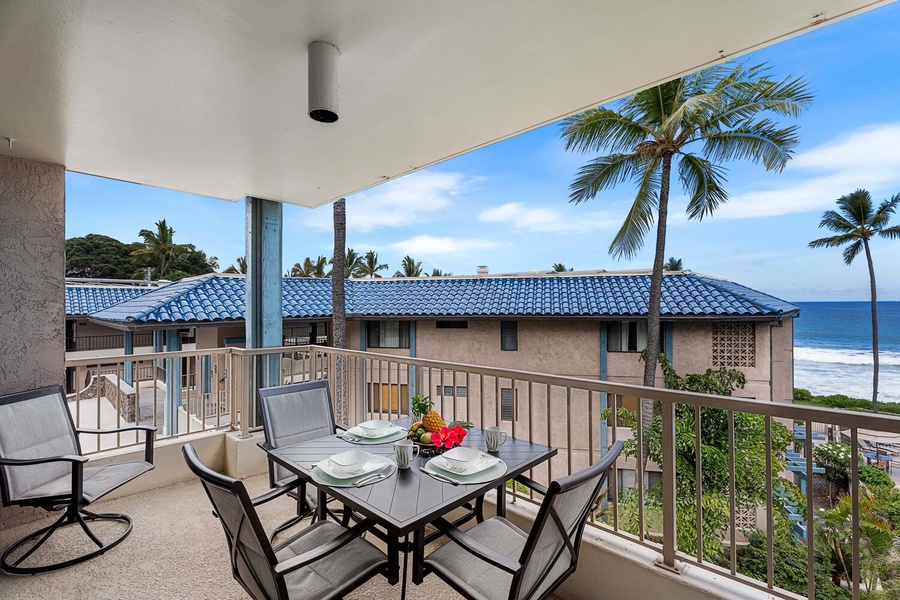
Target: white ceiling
column 209, row 96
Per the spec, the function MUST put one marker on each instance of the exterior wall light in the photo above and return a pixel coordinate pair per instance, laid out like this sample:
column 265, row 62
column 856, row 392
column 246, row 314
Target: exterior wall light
column 323, row 82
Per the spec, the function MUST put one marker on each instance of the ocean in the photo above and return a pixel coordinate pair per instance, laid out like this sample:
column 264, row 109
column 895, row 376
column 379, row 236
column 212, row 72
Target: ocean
column 833, row 349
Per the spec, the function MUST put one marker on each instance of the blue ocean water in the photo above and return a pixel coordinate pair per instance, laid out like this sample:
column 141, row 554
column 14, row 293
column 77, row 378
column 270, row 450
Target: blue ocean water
column 833, row 349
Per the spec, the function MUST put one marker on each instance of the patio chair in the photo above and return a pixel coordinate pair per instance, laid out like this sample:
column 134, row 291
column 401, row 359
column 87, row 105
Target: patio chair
column 323, row 561
column 495, row 560
column 41, row 465
column 292, row 414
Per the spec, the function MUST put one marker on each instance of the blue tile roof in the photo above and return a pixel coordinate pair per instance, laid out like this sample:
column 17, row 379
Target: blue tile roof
column 84, row 300
column 212, row 298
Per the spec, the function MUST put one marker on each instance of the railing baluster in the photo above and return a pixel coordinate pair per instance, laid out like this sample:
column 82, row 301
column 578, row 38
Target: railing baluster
column 514, row 393
column 732, row 491
column 668, row 483
column 590, row 428
column 854, row 510
column 530, row 430
column 770, row 509
column 639, row 467
column 454, row 396
column 810, row 514
column 615, row 475
column 549, row 435
column 698, row 479
column 569, row 429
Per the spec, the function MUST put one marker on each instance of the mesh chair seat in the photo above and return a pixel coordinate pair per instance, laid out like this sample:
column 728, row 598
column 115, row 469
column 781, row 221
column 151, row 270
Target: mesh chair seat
column 334, row 575
column 98, row 481
column 478, row 578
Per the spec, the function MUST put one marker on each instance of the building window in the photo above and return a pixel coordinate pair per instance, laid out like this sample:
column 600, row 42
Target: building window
column 509, row 335
column 452, row 324
column 447, row 390
column 387, row 334
column 627, row 336
column 734, row 345
column 508, row 407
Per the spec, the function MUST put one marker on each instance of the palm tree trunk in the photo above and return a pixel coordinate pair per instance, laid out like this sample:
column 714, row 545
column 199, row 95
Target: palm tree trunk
column 874, row 327
column 339, row 314
column 655, row 297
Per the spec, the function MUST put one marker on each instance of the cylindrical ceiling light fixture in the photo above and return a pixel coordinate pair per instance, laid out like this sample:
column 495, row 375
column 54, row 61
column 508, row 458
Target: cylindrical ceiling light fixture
column 323, row 82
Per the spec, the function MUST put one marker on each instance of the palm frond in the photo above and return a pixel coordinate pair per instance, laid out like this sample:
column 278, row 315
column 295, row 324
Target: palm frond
column 835, row 221
column 603, row 173
column 630, row 238
column 749, row 91
column 601, row 128
column 833, row 241
column 763, row 142
column 689, row 112
column 884, row 212
column 857, row 208
column 851, row 251
column 703, row 182
column 891, row 233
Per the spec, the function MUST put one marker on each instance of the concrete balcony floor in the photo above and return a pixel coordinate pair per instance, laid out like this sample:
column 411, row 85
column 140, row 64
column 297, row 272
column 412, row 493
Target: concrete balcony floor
column 177, row 550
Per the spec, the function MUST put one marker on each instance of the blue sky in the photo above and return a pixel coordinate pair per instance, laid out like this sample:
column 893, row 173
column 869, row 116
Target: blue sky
column 506, row 205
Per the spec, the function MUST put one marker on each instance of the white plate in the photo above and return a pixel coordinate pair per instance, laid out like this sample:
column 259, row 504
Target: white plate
column 482, row 463
column 493, row 473
column 361, row 432
column 374, row 463
column 375, row 426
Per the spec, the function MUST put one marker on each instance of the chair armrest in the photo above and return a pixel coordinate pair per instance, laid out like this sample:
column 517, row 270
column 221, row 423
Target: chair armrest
column 148, row 439
column 265, row 446
column 481, row 551
column 23, row 462
column 272, row 494
column 532, row 484
column 338, row 427
column 307, row 558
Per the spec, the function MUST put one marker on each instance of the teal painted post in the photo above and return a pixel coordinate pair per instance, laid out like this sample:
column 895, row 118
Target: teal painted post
column 667, row 336
column 412, row 368
column 128, row 369
column 263, row 318
column 159, row 345
column 206, row 376
column 363, row 377
column 604, row 400
column 173, row 382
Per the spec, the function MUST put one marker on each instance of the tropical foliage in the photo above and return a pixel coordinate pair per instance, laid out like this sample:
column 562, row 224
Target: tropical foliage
column 673, row 264
column 561, row 268
column 352, row 259
column 159, row 251
column 409, row 268
column 439, row 273
column 240, row 268
column 100, row 256
column 369, row 267
column 691, row 127
column 311, row 268
column 856, row 222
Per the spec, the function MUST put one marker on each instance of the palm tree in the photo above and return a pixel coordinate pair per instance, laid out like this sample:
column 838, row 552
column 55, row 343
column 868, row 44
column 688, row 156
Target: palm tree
column 673, row 264
column 409, row 268
column 657, row 130
column 310, row 268
column 439, row 273
column 370, row 265
column 352, row 259
column 241, row 267
column 856, row 223
column 342, row 267
column 561, row 268
column 159, row 248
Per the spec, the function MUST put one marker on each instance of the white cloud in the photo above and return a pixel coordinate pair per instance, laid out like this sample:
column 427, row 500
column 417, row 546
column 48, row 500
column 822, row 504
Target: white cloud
column 412, row 199
column 428, row 245
column 547, row 220
column 868, row 158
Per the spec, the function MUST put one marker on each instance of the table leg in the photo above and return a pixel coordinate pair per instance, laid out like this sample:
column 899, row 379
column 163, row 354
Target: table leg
column 393, row 555
column 418, row 550
column 501, row 500
column 322, row 505
column 405, row 565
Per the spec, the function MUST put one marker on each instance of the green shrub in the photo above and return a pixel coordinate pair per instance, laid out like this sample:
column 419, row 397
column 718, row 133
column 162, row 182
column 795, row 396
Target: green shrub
column 834, row 457
column 874, row 477
column 790, row 566
column 844, row 402
column 802, row 395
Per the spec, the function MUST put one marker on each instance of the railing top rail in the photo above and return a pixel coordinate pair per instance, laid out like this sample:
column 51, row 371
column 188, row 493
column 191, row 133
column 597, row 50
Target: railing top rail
column 121, row 358
column 832, row 416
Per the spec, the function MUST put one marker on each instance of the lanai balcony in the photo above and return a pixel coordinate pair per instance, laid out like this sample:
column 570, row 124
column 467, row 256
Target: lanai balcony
column 630, row 548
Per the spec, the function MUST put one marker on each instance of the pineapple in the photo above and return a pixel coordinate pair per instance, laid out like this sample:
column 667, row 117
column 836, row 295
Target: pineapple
column 433, row 422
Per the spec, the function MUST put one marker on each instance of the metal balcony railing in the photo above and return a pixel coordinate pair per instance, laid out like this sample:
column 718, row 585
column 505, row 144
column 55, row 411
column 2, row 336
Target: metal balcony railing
column 565, row 412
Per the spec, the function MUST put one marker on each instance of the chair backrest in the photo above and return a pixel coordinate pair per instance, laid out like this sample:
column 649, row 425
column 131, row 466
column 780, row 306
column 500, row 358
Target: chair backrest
column 551, row 552
column 251, row 554
column 295, row 413
column 35, row 424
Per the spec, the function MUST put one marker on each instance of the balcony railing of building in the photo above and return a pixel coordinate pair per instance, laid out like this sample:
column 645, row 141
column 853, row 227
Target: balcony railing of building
column 105, row 342
column 578, row 416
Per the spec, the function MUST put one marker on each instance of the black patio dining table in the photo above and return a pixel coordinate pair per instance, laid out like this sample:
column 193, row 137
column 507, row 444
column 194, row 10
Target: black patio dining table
column 409, row 499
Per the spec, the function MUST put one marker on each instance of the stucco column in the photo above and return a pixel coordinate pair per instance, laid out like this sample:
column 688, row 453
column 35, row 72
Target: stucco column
column 32, row 269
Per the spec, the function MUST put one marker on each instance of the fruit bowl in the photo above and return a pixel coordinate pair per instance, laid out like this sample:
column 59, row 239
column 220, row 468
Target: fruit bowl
column 434, row 439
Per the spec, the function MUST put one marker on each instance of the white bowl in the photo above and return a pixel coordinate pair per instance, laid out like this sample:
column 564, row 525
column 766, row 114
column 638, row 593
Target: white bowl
column 375, row 426
column 461, row 456
column 349, row 462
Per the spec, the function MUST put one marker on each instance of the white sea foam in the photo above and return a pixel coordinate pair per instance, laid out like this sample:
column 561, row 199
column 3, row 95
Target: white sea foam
column 845, row 357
